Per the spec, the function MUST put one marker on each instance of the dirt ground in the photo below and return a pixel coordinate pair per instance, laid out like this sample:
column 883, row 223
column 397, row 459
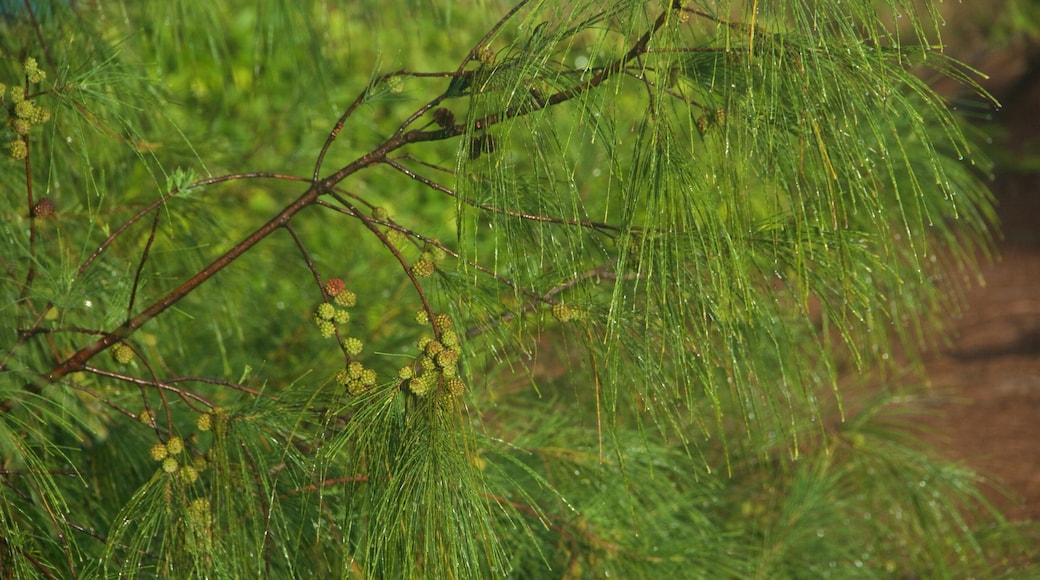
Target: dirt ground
column 984, row 407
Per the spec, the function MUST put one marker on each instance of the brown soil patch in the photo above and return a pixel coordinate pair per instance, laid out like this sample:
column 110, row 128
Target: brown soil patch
column 985, row 406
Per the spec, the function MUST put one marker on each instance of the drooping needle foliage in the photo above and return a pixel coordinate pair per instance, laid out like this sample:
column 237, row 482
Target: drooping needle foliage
column 471, row 290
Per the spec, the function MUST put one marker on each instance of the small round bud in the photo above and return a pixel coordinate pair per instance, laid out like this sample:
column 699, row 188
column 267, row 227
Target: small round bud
column 368, row 377
column 170, row 465
column 326, row 328
column 346, row 299
column 455, row 386
column 122, row 353
column 423, row 268
column 325, row 311
column 450, row 338
column 437, row 253
column 158, row 452
column 703, row 124
column 394, row 236
column 343, row 377
column 44, row 208
column 423, row 341
column 443, row 322
column 353, row 345
column 433, row 347
column 562, row 312
column 333, row 286
column 40, row 115
column 145, row 417
column 380, row 214
column 18, row 149
column 447, row 358
column 24, row 109
column 21, row 126
column 204, row 422
column 405, row 373
column 395, row 85
column 189, row 474
column 421, row 317
column 486, row 56
column 356, row 387
column 427, row 363
column 422, row 385
column 175, row 445
column 355, row 369
column 342, row 317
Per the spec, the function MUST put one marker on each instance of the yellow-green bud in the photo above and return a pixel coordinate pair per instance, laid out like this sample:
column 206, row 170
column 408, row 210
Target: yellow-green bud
column 355, row 369
column 24, row 109
column 423, row 268
column 18, row 149
column 450, row 338
column 170, row 465
column 343, row 377
column 443, row 322
column 421, row 317
column 486, row 56
column 40, row 115
column 455, row 386
column 433, row 347
column 189, row 474
column 447, row 358
column 326, row 328
column 325, row 311
column 368, row 377
column 405, row 373
column 353, row 345
column 342, row 317
column 122, row 353
column 346, row 299
column 436, row 253
column 422, row 384
column 563, row 313
column 204, row 422
column 158, row 452
column 175, row 445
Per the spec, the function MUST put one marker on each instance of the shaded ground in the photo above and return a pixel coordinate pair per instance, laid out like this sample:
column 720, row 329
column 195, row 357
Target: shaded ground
column 985, row 408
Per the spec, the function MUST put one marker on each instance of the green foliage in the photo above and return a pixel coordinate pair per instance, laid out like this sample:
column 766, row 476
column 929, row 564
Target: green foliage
column 561, row 294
